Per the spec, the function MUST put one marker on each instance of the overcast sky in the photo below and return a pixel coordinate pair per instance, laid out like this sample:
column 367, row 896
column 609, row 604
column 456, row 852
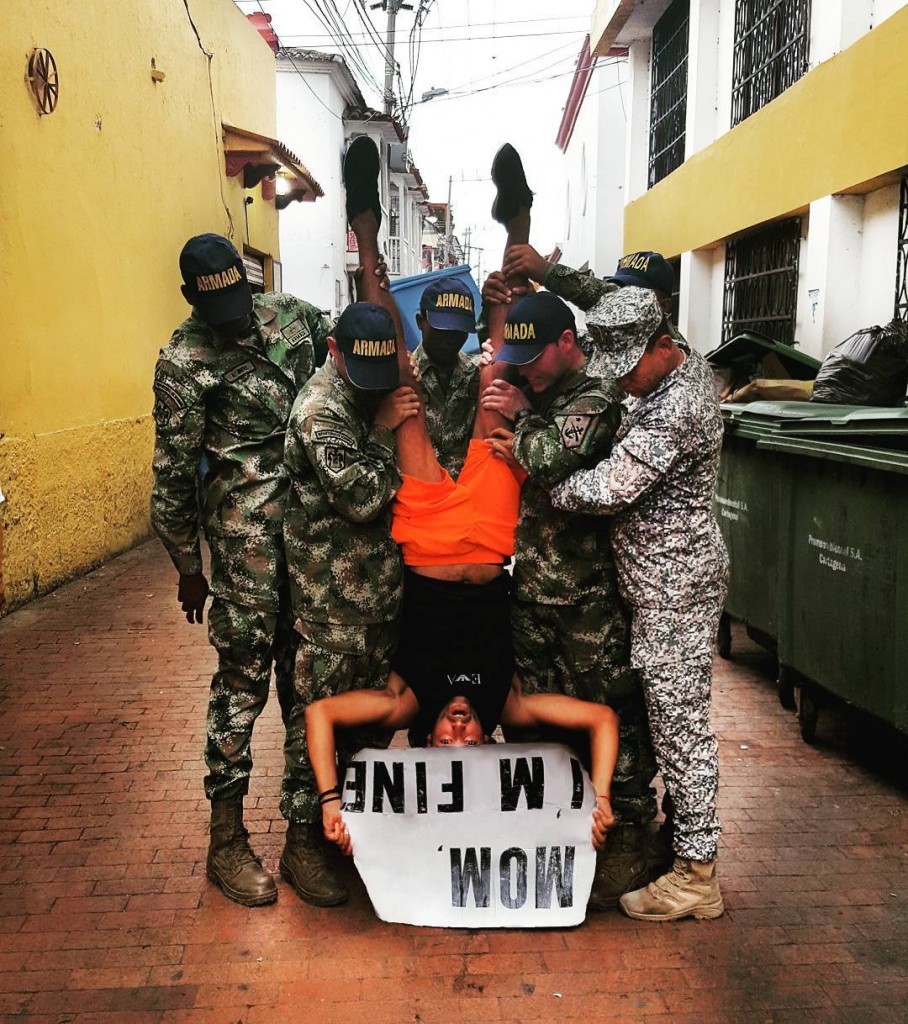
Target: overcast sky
column 508, row 66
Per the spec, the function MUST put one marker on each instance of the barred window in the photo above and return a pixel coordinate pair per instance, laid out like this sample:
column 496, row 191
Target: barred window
column 761, row 282
column 901, row 264
column 668, row 109
column 771, row 52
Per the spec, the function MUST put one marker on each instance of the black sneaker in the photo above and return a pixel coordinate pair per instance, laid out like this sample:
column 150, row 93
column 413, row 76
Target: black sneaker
column 361, row 169
column 513, row 191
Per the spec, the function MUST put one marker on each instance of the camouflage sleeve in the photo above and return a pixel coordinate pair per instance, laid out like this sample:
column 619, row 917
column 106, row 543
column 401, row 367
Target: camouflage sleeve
column 358, row 479
column 321, row 325
column 637, row 463
column 582, row 288
column 551, row 448
column 613, row 485
column 179, row 415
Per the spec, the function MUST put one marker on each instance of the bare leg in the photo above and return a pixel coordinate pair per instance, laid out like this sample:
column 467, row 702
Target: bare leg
column 415, row 455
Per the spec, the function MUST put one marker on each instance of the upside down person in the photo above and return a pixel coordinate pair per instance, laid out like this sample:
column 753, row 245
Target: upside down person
column 453, row 673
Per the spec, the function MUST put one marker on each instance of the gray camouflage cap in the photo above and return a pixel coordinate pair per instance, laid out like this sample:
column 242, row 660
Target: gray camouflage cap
column 627, row 319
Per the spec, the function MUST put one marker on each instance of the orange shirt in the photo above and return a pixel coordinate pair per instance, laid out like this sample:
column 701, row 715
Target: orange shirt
column 468, row 521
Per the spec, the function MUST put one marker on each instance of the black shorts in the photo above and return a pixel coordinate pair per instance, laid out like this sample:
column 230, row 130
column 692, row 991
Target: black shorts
column 455, row 640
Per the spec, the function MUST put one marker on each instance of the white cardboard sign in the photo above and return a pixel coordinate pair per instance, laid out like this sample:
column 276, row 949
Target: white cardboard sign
column 495, row 836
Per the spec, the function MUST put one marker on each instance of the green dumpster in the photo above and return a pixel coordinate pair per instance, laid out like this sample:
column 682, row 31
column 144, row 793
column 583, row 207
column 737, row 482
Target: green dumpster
column 815, row 502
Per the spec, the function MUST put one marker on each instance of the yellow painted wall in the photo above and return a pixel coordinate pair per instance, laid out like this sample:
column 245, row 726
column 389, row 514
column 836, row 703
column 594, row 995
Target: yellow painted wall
column 96, row 202
column 841, row 125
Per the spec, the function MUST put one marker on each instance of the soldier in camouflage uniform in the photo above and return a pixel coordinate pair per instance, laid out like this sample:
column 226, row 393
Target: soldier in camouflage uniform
column 657, row 486
column 345, row 569
column 224, row 386
column 449, row 378
column 570, row 630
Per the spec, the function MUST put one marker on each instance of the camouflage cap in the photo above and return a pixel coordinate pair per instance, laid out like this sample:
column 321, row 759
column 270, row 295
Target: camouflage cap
column 628, row 318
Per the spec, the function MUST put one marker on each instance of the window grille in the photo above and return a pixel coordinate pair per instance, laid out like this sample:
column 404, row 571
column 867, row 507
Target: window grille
column 771, row 52
column 761, row 282
column 901, row 264
column 668, row 108
column 394, row 212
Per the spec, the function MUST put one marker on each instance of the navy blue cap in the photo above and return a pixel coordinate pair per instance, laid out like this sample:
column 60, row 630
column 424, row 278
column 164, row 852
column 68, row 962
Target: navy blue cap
column 645, row 270
column 366, row 336
column 535, row 321
column 215, row 279
column 448, row 305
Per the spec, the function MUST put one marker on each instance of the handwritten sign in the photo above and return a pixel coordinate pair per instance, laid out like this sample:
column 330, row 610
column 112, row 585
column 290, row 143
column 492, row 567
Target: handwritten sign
column 494, row 836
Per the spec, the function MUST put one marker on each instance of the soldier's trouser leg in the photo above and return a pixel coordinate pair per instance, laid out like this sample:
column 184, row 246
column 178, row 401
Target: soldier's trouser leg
column 243, row 638
column 330, row 659
column 584, row 652
column 673, row 650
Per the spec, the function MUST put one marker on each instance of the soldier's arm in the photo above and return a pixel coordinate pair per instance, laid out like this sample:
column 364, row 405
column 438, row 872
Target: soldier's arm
column 320, row 325
column 359, row 479
column 636, row 465
column 552, row 447
column 581, row 287
column 179, row 415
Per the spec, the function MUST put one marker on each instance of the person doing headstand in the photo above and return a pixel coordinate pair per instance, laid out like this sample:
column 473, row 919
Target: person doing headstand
column 453, row 673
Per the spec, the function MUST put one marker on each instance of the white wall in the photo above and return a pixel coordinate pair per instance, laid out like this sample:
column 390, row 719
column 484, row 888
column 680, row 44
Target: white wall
column 313, row 235
column 594, row 164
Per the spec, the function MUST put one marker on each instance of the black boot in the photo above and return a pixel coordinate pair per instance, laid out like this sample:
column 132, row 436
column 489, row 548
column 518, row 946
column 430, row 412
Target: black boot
column 231, row 862
column 628, row 862
column 513, row 192
column 304, row 865
column 361, row 169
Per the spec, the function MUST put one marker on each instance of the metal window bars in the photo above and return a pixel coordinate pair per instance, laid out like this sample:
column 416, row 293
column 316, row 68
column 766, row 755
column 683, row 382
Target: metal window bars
column 761, row 282
column 901, row 263
column 668, row 106
column 770, row 53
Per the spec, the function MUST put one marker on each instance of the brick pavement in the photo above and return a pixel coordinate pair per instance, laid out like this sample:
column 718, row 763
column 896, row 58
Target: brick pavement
column 106, row 914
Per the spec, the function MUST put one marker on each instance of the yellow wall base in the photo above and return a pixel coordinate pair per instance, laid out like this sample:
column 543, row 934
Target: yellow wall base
column 74, row 498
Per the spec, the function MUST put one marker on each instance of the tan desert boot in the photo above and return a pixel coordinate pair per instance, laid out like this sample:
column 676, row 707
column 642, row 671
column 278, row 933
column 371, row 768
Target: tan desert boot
column 690, row 889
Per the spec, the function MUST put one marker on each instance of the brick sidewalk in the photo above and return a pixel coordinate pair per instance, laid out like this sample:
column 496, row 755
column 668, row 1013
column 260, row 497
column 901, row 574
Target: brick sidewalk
column 106, row 914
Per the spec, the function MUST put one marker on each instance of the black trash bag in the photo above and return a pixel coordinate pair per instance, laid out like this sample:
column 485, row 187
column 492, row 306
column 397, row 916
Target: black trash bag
column 869, row 368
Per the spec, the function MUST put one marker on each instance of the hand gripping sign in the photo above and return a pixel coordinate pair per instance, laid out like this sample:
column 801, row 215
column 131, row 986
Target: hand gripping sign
column 494, row 836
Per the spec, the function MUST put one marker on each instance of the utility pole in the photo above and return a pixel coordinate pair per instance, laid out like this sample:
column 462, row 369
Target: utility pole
column 448, row 240
column 466, row 235
column 391, row 7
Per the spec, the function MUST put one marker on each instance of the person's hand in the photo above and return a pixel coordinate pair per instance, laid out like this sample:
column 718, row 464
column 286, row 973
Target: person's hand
column 501, row 441
column 486, row 354
column 496, row 292
column 524, row 261
column 395, row 407
column 191, row 593
column 335, row 828
column 381, row 272
column 414, row 368
column 504, row 398
column 603, row 821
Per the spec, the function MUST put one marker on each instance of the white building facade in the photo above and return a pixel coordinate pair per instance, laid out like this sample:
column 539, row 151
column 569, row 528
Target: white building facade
column 321, row 109
column 767, row 153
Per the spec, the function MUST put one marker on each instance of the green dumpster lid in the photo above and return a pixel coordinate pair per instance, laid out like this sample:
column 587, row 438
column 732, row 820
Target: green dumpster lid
column 812, row 418
column 871, row 458
column 750, row 347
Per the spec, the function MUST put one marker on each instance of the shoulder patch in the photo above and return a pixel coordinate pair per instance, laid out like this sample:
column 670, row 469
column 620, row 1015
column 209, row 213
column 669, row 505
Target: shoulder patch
column 295, row 333
column 333, row 434
column 574, row 429
column 335, row 458
column 238, row 372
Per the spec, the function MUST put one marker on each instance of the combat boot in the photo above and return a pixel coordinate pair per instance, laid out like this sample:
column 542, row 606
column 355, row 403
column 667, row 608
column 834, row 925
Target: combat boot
column 231, row 862
column 630, row 860
column 690, row 889
column 304, row 864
